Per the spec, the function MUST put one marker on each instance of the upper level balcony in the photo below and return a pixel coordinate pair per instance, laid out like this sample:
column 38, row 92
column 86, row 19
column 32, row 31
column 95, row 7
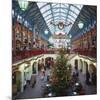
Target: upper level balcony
column 31, row 53
column 90, row 53
column 20, row 55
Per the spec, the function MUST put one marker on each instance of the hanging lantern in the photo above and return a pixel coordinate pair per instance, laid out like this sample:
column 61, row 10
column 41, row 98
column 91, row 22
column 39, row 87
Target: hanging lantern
column 23, row 4
column 80, row 24
column 70, row 36
column 46, row 32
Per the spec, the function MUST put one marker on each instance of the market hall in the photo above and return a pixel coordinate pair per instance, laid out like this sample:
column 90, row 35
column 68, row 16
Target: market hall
column 47, row 37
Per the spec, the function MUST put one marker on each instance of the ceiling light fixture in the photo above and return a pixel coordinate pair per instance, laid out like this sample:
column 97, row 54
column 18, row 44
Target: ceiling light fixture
column 80, row 24
column 23, row 4
column 70, row 36
column 46, row 32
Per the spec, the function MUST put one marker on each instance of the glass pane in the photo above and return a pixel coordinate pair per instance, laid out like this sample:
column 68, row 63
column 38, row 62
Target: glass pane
column 47, row 13
column 69, row 20
column 62, row 14
column 71, row 17
column 56, row 14
column 79, row 6
column 54, row 5
column 45, row 8
column 48, row 21
column 57, row 5
column 50, row 16
column 73, row 14
column 55, row 10
column 74, row 9
column 65, row 11
column 40, row 4
column 62, row 17
column 56, row 17
column 65, row 5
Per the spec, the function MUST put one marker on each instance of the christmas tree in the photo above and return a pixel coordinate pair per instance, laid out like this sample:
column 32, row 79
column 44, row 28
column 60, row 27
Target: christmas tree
column 61, row 74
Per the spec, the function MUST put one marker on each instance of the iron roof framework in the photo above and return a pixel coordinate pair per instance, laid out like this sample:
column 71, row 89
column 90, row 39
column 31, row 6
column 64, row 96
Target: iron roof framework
column 59, row 12
column 88, row 16
column 32, row 16
column 41, row 14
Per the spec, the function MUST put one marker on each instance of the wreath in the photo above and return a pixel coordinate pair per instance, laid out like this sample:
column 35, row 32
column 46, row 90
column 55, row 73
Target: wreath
column 60, row 25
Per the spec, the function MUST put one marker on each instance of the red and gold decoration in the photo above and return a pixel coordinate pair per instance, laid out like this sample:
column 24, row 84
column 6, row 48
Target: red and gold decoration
column 61, row 25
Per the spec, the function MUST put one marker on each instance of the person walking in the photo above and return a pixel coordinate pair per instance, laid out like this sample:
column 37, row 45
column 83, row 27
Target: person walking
column 25, row 84
column 33, row 80
column 87, row 78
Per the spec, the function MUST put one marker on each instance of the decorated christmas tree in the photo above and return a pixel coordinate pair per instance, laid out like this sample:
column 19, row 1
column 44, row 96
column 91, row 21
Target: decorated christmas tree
column 61, row 74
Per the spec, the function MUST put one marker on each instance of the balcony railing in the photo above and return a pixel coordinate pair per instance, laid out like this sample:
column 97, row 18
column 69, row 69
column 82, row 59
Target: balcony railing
column 27, row 54
column 86, row 52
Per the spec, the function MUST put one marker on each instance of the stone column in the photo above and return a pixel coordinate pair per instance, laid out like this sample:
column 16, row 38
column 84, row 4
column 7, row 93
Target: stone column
column 22, row 81
column 84, row 68
column 36, row 66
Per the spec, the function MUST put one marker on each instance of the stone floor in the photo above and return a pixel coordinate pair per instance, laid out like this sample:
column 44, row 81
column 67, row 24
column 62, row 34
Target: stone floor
column 89, row 89
column 37, row 91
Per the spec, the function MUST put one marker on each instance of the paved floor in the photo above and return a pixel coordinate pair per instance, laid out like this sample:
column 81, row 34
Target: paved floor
column 37, row 91
column 89, row 89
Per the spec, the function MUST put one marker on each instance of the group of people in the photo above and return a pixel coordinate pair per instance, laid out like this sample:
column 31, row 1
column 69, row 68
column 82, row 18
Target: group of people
column 90, row 79
column 75, row 74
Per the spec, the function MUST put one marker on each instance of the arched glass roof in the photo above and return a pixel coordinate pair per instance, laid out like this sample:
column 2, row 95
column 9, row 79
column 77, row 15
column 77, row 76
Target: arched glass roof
column 59, row 12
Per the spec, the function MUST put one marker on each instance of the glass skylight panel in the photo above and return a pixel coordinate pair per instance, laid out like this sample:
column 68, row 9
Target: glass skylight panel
column 54, row 5
column 62, row 17
column 57, row 5
column 63, row 14
column 66, row 5
column 41, row 4
column 49, row 23
column 49, row 20
column 67, row 29
column 45, row 8
column 47, row 13
column 55, row 17
column 69, row 20
column 51, row 26
column 56, row 14
column 74, row 9
column 71, row 17
column 65, row 11
column 50, row 16
column 73, row 14
column 55, row 10
column 59, row 18
column 79, row 6
column 59, row 12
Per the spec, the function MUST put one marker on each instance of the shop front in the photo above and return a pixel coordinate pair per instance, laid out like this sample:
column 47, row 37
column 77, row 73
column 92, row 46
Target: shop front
column 16, row 80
